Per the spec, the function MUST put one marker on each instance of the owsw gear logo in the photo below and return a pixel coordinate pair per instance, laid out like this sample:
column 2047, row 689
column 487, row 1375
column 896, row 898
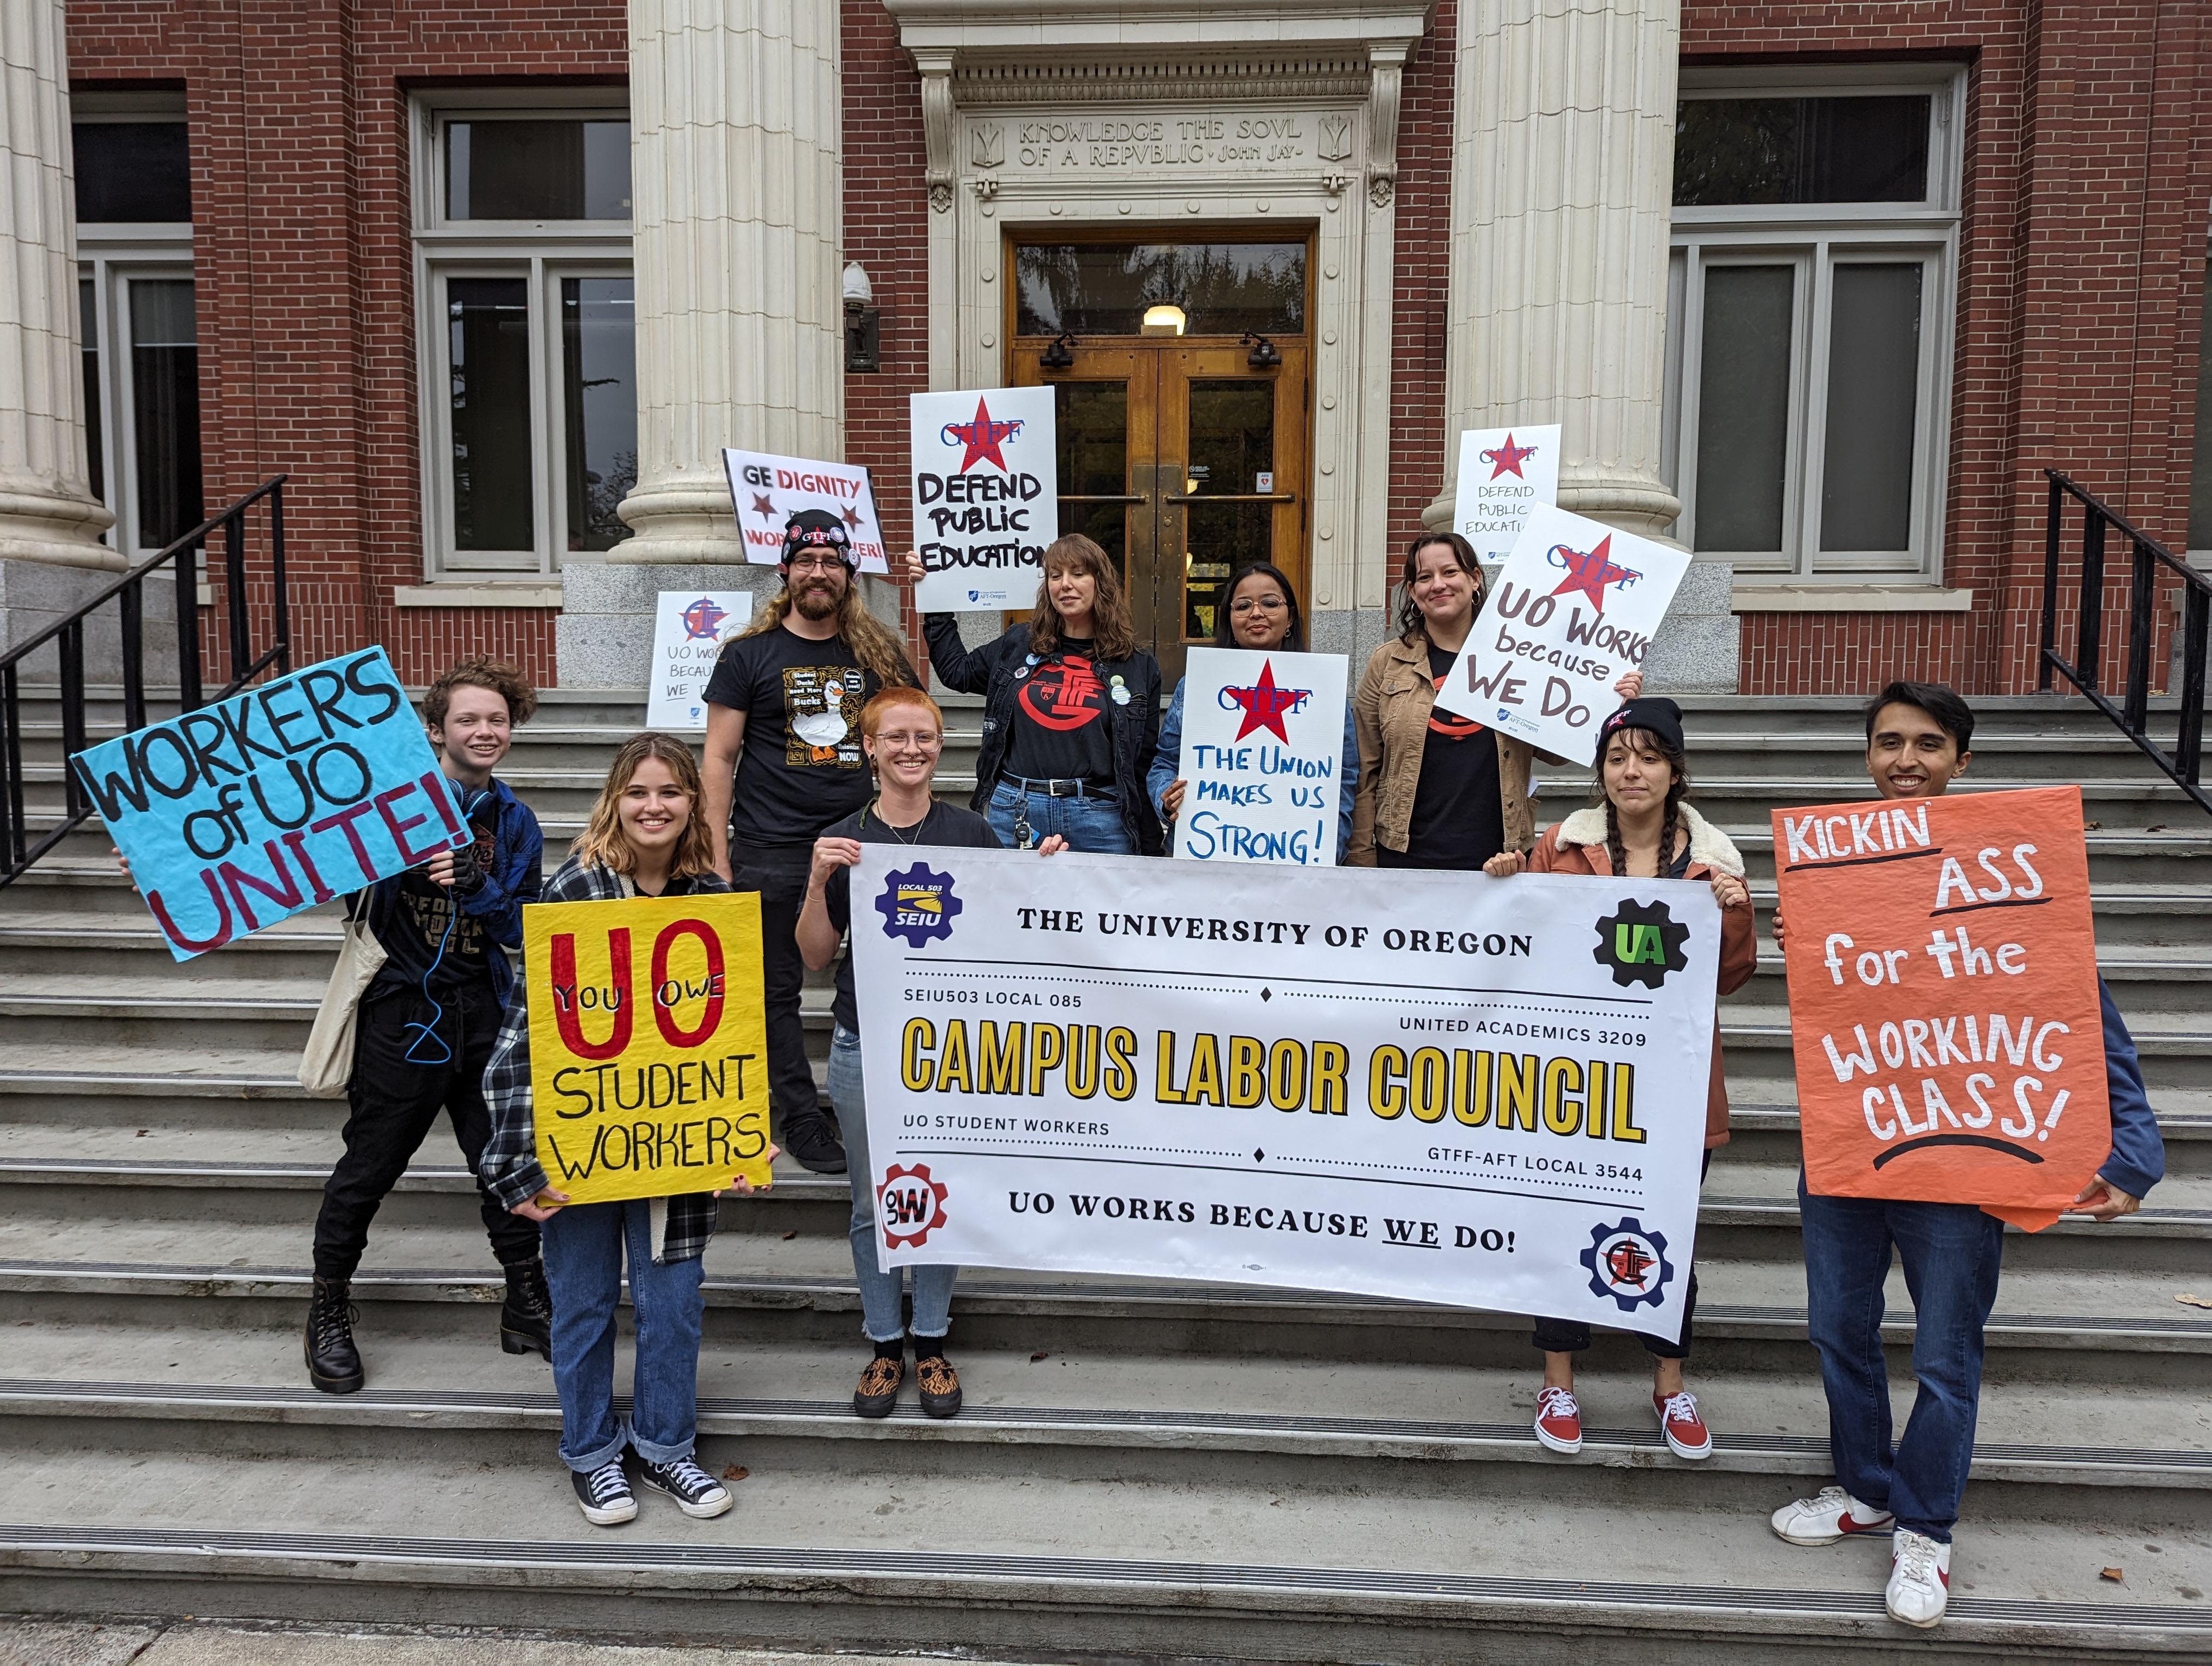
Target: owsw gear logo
column 1641, row 943
column 1628, row 1264
column 918, row 905
column 909, row 1205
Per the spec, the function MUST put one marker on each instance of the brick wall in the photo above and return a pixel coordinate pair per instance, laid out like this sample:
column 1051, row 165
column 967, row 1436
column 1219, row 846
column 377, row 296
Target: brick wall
column 1416, row 322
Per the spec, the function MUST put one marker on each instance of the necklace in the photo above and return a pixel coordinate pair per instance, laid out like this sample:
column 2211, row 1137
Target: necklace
column 875, row 808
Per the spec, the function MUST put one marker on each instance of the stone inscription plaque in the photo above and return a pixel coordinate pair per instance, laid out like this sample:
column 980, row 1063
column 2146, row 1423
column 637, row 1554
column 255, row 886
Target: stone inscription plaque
column 1156, row 143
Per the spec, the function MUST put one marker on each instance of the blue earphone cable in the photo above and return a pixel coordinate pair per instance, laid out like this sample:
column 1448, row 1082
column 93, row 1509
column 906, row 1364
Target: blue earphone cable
column 429, row 1031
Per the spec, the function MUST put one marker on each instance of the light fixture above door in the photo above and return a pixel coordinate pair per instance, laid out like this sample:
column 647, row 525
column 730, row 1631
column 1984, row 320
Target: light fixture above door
column 1163, row 319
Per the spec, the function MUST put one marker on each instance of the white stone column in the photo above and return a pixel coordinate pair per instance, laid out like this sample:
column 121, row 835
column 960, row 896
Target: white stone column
column 1562, row 192
column 737, row 208
column 47, row 512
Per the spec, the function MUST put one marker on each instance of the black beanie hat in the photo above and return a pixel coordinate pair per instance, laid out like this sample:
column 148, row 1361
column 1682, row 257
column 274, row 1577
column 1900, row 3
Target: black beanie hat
column 820, row 528
column 1660, row 715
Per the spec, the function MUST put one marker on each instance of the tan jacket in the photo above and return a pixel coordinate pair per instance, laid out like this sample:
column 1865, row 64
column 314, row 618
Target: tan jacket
column 1391, row 712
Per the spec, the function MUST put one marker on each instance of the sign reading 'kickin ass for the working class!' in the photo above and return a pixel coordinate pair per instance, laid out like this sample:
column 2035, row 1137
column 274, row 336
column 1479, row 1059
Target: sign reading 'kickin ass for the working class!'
column 648, row 1047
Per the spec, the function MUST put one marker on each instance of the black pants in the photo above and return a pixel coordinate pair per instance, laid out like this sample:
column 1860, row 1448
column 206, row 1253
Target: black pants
column 1572, row 1336
column 395, row 1100
column 780, row 877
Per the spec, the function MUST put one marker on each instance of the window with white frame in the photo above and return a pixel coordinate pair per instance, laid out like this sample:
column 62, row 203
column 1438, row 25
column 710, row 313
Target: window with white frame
column 1809, row 305
column 529, row 378
column 138, row 321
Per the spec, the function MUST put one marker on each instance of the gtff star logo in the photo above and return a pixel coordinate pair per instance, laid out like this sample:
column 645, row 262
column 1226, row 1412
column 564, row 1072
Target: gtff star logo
column 702, row 619
column 1590, row 573
column 980, row 437
column 1508, row 458
column 1264, row 703
column 1628, row 1263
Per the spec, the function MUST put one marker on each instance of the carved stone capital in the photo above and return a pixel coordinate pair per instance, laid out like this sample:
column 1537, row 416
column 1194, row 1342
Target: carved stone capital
column 1385, row 82
column 939, row 119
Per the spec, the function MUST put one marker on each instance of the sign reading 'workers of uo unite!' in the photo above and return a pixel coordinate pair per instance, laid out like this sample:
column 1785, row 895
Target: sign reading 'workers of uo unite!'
column 1943, row 1003
column 647, row 1045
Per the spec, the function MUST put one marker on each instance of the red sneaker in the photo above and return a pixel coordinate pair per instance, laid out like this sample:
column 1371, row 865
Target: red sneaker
column 1685, row 1433
column 1559, row 1420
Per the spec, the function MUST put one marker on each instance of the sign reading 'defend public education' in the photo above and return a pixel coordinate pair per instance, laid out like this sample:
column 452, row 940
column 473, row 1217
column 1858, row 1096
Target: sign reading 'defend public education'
column 1944, row 1008
column 1483, row 1092
column 1262, row 757
column 766, row 491
column 1504, row 473
column 689, row 627
column 985, row 495
column 1573, row 612
column 239, row 815
column 648, row 1047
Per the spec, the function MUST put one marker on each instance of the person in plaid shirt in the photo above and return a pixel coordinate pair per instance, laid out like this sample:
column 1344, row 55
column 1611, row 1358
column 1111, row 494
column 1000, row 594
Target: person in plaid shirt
column 645, row 839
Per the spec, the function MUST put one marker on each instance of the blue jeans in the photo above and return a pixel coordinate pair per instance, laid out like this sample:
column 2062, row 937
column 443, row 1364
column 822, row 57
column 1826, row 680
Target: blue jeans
column 584, row 1246
column 1087, row 823
column 879, row 1291
column 1953, row 1253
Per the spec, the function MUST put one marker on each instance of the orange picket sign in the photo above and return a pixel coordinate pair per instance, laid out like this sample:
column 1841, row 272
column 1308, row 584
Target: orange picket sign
column 1943, row 1000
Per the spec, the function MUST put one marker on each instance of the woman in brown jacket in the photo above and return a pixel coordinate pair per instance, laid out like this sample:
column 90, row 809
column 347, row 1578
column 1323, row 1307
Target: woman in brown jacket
column 1435, row 790
column 1641, row 827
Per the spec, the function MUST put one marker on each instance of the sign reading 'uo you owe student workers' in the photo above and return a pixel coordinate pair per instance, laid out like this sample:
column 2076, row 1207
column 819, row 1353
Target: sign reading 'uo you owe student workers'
column 647, row 1045
column 1943, row 1001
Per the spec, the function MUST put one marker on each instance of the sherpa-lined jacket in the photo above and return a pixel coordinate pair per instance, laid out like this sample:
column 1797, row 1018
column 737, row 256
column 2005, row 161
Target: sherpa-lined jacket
column 1576, row 845
column 1390, row 709
column 681, row 1224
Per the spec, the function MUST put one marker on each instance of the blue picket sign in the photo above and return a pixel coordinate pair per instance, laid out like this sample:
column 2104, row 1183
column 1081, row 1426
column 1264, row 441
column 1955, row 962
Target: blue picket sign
column 239, row 815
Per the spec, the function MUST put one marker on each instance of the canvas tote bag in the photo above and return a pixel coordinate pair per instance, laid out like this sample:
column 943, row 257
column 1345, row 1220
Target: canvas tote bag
column 327, row 1063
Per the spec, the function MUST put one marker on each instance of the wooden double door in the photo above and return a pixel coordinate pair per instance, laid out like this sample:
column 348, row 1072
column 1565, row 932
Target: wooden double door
column 1187, row 465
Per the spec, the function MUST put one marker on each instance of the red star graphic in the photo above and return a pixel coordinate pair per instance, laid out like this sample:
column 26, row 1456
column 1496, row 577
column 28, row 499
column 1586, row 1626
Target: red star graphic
column 852, row 519
column 982, row 443
column 1264, row 703
column 762, row 507
column 1508, row 458
column 1590, row 573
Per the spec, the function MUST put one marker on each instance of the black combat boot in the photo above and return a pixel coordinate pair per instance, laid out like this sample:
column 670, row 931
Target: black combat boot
column 333, row 1362
column 525, row 1320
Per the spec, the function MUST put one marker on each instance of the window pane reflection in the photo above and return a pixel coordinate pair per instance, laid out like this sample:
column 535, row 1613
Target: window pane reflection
column 132, row 172
column 165, row 398
column 95, row 454
column 488, row 321
column 1103, row 289
column 538, row 170
column 1743, row 408
column 598, row 361
column 1802, row 150
column 1091, row 430
column 1873, row 380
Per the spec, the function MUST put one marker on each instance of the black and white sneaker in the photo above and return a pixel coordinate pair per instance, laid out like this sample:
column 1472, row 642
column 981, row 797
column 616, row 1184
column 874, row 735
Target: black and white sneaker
column 696, row 1492
column 604, row 1496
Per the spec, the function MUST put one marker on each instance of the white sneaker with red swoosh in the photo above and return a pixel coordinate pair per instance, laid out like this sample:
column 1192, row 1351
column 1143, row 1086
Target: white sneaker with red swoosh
column 1830, row 1514
column 1919, row 1579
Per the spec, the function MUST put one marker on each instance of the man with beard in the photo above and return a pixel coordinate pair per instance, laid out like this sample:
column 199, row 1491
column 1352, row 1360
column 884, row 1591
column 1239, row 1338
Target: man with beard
column 783, row 763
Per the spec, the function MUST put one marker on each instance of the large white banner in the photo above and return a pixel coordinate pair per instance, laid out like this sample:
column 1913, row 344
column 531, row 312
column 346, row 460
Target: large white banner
column 1262, row 757
column 985, row 495
column 1483, row 1092
column 689, row 629
column 1504, row 473
column 1572, row 613
column 766, row 490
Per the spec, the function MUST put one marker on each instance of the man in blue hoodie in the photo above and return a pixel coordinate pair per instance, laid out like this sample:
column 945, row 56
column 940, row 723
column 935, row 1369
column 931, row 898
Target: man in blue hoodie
column 427, row 1024
column 1917, row 737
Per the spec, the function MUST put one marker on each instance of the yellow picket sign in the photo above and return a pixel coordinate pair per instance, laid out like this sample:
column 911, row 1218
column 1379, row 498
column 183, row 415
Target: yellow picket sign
column 649, row 1044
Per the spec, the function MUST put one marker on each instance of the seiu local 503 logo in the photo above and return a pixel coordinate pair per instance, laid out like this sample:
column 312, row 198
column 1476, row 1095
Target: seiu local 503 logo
column 918, row 905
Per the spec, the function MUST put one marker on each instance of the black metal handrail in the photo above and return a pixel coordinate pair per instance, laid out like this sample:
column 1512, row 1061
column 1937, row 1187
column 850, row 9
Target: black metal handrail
column 16, row 852
column 2183, row 764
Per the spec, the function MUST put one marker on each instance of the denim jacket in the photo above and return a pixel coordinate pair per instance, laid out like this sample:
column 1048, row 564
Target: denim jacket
column 1167, row 765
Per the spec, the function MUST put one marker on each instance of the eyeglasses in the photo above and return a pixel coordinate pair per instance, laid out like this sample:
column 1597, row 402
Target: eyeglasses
column 803, row 564
column 1258, row 604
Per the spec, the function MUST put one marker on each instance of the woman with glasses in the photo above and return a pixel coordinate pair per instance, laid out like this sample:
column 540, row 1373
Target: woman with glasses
column 1262, row 613
column 1071, row 708
column 902, row 732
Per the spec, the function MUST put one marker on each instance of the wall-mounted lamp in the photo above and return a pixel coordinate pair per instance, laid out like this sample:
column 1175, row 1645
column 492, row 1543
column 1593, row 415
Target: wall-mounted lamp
column 1263, row 356
column 863, row 322
column 1164, row 319
column 1056, row 356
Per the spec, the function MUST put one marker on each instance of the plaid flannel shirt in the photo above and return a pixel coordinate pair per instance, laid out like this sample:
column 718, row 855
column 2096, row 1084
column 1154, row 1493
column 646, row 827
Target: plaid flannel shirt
column 681, row 1224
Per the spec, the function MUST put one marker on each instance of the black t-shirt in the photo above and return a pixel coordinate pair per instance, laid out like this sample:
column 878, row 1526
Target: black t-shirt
column 1061, row 729
column 1459, row 819
column 431, row 943
column 943, row 825
column 801, row 766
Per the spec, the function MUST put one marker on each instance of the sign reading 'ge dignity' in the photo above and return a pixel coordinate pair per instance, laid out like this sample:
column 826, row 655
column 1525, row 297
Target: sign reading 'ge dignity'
column 1944, row 1008
column 241, row 813
column 1488, row 1093
column 647, row 1045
